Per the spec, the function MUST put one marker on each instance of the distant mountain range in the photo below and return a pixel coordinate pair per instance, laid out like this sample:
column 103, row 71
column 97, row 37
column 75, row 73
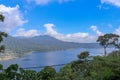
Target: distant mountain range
column 42, row 44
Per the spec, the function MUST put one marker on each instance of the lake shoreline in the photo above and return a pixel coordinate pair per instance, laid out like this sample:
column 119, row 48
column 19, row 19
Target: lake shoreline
column 12, row 56
column 3, row 58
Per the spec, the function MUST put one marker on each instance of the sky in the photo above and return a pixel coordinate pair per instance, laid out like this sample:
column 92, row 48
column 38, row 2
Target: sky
column 67, row 20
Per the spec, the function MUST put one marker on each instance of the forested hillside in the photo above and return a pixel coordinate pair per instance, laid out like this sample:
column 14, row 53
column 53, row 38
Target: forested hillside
column 42, row 44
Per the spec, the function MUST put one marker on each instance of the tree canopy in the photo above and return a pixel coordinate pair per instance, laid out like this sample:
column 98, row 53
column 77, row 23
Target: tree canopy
column 107, row 39
column 2, row 34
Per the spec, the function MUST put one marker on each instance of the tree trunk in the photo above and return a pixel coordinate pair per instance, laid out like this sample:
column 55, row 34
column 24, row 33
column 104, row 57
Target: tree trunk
column 105, row 51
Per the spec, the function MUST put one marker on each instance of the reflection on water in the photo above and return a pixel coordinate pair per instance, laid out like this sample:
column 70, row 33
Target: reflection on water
column 51, row 58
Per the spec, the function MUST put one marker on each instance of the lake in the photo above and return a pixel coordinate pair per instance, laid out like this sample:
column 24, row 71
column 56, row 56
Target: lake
column 51, row 58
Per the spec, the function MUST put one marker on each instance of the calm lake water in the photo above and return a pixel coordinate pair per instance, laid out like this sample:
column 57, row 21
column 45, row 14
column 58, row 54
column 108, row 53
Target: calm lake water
column 51, row 58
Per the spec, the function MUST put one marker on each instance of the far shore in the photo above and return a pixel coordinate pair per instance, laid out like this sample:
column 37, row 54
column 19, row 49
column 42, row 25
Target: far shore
column 7, row 57
column 12, row 56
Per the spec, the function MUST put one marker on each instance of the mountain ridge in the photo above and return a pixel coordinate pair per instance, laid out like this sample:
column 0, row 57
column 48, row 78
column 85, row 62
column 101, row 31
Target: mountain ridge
column 41, row 43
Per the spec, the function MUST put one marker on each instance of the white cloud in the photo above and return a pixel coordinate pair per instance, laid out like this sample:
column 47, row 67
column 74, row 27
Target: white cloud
column 80, row 37
column 75, row 37
column 13, row 18
column 112, row 2
column 117, row 31
column 94, row 28
column 29, row 33
column 49, row 29
column 44, row 2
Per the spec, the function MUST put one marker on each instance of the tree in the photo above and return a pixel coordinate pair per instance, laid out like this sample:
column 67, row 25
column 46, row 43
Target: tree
column 83, row 55
column 107, row 39
column 2, row 34
column 48, row 73
column 2, row 48
column 82, row 63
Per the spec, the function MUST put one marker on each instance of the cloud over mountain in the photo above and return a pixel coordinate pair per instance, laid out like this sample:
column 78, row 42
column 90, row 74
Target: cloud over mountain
column 26, row 33
column 81, row 37
column 75, row 37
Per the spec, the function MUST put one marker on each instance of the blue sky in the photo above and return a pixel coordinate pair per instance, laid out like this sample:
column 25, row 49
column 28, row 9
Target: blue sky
column 67, row 20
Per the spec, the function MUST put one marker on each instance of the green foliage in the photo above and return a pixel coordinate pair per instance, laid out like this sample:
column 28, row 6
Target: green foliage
column 67, row 73
column 48, row 73
column 28, row 74
column 107, row 39
column 2, row 34
column 1, row 67
column 114, row 53
column 83, row 55
column 10, row 73
column 100, row 68
column 2, row 48
column 104, row 68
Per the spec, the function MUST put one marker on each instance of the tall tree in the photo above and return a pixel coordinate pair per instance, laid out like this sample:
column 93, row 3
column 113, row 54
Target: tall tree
column 2, row 34
column 107, row 39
